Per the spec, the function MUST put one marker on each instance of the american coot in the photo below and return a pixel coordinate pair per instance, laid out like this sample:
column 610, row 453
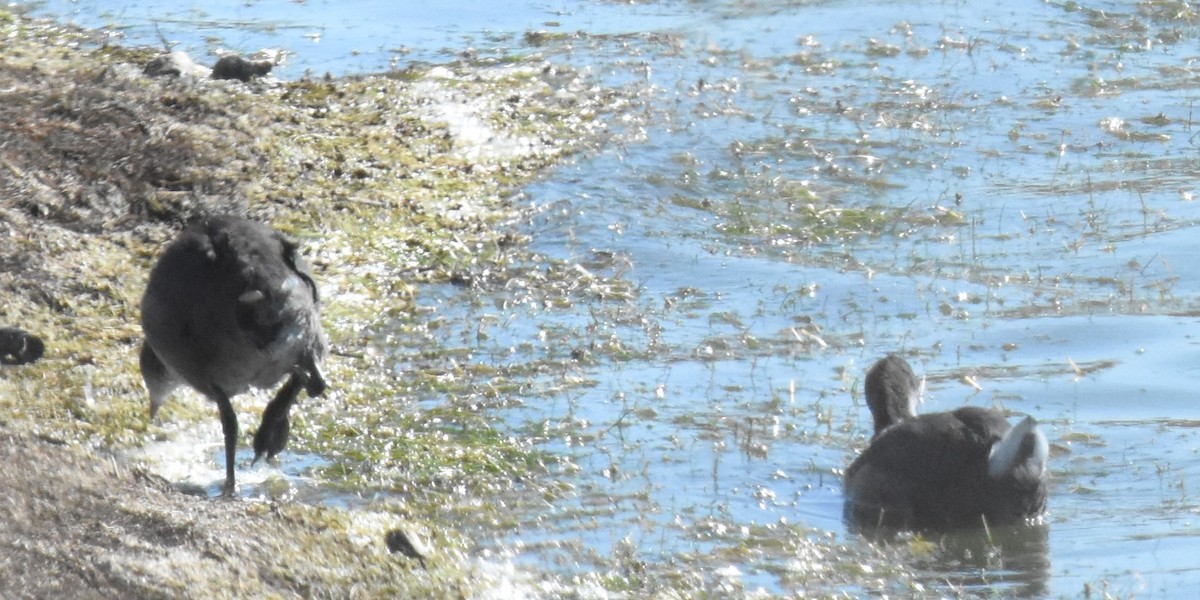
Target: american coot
column 231, row 304
column 941, row 470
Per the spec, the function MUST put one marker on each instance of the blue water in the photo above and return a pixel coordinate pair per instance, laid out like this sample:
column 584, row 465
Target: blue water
column 1072, row 244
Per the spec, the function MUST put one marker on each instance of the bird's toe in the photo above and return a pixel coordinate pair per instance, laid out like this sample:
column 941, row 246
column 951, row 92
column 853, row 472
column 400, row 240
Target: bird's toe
column 270, row 439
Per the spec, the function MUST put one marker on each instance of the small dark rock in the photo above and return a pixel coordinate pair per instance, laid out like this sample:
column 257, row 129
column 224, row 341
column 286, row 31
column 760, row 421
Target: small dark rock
column 236, row 67
column 398, row 541
column 18, row 347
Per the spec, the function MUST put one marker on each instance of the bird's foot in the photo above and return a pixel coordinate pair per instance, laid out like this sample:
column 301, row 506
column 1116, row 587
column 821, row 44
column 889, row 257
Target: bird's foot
column 229, row 490
column 266, row 456
column 271, row 438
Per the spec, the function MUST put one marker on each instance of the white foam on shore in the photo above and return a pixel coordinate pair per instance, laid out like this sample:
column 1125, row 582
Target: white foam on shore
column 191, row 455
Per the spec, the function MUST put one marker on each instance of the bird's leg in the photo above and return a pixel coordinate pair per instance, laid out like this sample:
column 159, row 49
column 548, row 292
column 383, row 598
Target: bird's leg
column 273, row 432
column 229, row 426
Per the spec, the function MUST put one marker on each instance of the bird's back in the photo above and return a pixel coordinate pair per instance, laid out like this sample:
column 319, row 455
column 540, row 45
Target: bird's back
column 231, row 304
column 927, row 471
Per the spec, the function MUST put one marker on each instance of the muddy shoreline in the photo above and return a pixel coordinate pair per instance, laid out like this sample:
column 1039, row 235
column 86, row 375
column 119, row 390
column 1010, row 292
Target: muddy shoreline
column 86, row 525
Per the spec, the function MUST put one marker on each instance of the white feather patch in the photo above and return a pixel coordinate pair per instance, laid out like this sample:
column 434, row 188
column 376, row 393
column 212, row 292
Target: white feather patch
column 1005, row 455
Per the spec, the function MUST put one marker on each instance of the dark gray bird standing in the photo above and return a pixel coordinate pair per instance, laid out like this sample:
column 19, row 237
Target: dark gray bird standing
column 231, row 304
column 941, row 470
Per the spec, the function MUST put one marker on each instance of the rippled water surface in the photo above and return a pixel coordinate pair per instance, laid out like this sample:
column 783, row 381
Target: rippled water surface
column 1002, row 190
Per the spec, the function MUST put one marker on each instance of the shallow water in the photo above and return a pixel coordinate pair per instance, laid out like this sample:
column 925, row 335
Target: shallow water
column 1002, row 190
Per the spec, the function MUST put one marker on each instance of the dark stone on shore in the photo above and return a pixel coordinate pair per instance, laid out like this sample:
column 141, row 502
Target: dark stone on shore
column 399, row 542
column 19, row 347
column 236, row 67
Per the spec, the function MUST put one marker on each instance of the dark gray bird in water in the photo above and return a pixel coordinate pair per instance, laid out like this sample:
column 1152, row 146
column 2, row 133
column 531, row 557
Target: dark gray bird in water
column 941, row 470
column 231, row 304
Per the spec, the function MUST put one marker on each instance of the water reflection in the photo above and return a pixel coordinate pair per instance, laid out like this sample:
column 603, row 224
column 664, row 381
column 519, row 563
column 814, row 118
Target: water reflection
column 1013, row 560
column 1017, row 554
